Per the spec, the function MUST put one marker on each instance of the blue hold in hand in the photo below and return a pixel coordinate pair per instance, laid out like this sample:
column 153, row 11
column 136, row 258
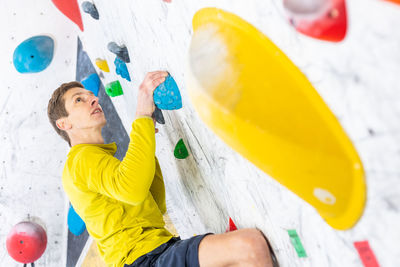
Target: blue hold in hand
column 75, row 224
column 121, row 69
column 92, row 83
column 167, row 95
column 34, row 54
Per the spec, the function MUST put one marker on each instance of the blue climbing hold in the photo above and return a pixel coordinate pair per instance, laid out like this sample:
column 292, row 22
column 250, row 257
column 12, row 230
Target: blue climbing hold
column 92, row 83
column 121, row 69
column 34, row 54
column 167, row 95
column 75, row 224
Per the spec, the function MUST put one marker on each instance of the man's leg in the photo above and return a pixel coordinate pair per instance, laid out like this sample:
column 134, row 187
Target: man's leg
column 244, row 247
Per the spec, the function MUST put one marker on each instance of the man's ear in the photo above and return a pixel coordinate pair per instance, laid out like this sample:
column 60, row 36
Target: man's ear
column 63, row 124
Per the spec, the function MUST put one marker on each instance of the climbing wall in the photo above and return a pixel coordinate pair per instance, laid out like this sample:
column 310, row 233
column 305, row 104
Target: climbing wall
column 32, row 155
column 356, row 78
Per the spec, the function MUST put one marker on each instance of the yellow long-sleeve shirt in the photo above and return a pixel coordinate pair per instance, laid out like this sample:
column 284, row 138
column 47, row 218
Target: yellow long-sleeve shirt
column 121, row 202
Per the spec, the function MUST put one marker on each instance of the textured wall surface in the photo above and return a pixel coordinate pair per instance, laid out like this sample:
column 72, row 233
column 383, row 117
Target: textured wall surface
column 357, row 79
column 31, row 153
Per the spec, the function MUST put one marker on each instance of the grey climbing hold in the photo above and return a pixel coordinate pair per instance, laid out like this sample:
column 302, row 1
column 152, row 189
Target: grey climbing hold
column 120, row 51
column 158, row 116
column 91, row 9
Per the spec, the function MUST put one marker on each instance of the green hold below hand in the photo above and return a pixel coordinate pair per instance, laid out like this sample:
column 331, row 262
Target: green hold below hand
column 181, row 151
column 114, row 89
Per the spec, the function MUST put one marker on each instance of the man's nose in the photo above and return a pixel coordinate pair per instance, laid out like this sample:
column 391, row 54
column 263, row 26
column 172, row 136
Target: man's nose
column 94, row 100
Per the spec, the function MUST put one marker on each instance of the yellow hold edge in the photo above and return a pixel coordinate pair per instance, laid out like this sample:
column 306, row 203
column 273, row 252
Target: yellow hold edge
column 102, row 64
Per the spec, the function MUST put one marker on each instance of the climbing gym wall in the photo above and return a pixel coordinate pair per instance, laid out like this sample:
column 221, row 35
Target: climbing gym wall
column 352, row 67
column 260, row 112
column 32, row 155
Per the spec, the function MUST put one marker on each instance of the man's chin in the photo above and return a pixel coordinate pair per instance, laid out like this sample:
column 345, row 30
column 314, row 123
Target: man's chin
column 100, row 122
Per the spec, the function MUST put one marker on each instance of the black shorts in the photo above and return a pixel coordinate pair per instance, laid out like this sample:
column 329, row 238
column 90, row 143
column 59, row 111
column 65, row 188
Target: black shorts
column 174, row 253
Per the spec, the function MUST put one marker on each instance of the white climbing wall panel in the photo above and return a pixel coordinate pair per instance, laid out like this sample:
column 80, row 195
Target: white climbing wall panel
column 31, row 154
column 357, row 79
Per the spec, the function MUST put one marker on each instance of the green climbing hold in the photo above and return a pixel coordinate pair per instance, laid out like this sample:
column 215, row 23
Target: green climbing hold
column 114, row 89
column 295, row 239
column 181, row 151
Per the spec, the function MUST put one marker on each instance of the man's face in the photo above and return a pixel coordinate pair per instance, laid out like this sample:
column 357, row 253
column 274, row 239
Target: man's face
column 83, row 109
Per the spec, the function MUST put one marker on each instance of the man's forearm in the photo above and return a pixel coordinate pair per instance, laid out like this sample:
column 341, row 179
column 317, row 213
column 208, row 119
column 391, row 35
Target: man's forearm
column 138, row 166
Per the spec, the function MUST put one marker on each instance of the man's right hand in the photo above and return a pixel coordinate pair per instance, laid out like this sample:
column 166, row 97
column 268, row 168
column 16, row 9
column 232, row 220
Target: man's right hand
column 145, row 105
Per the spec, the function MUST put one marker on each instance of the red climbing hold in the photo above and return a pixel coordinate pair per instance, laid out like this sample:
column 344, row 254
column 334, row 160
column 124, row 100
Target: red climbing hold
column 70, row 8
column 232, row 226
column 366, row 254
column 26, row 242
column 325, row 20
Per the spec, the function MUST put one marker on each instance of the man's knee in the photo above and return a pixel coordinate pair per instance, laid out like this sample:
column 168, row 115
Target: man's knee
column 252, row 239
column 252, row 246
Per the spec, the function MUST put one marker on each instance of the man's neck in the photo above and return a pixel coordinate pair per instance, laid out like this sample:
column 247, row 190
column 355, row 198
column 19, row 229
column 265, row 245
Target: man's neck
column 86, row 137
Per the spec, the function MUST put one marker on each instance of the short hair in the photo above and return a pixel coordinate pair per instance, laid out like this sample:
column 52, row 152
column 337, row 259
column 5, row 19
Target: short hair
column 56, row 107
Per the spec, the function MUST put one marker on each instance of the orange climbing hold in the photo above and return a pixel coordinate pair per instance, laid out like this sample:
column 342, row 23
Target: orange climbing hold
column 394, row 1
column 70, row 9
column 102, row 64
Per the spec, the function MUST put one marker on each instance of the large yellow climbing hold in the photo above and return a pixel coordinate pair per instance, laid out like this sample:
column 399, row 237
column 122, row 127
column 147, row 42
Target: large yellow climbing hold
column 259, row 103
column 102, row 64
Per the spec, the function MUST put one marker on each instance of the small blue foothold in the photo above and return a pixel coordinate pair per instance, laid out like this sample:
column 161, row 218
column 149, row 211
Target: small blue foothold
column 167, row 95
column 34, row 54
column 121, row 69
column 75, row 224
column 92, row 83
